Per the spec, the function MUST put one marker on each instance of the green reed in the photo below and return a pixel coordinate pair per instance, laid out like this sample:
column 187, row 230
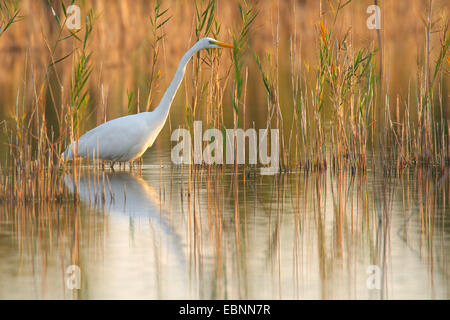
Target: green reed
column 157, row 21
column 79, row 93
column 9, row 14
column 34, row 168
column 247, row 16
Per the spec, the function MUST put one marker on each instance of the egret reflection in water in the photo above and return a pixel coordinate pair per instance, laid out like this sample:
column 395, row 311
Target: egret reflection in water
column 118, row 193
column 122, row 195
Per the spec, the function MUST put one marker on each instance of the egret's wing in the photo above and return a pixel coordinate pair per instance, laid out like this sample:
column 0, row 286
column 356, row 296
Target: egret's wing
column 115, row 139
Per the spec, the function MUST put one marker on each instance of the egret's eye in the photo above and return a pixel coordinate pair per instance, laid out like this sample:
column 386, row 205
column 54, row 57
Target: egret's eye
column 212, row 42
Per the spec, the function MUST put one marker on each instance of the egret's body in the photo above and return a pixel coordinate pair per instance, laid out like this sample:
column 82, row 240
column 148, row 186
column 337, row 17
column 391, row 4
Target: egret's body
column 118, row 140
column 127, row 138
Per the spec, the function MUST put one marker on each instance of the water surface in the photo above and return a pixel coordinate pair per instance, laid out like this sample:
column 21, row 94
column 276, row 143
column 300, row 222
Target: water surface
column 158, row 234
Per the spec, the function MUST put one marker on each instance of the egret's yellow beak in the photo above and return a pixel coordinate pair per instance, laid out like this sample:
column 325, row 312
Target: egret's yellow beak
column 224, row 45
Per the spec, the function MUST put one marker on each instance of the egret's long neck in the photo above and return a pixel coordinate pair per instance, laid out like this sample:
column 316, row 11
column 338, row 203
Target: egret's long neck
column 162, row 111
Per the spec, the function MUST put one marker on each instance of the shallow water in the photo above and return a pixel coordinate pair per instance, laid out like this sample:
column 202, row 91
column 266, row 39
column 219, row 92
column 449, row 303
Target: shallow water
column 233, row 236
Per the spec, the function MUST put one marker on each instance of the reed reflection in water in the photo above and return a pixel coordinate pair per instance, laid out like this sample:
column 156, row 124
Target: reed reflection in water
column 208, row 233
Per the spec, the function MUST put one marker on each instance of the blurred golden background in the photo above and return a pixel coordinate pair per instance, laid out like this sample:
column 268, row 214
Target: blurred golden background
column 121, row 36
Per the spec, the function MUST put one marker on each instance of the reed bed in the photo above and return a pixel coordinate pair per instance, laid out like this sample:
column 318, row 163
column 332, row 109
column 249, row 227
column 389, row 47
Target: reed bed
column 332, row 103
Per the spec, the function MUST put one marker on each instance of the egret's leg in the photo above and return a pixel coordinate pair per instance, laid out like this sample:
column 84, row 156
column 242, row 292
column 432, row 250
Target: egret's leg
column 112, row 165
column 139, row 165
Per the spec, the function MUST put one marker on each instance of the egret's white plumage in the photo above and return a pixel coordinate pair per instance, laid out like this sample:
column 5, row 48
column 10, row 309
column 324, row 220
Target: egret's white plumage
column 126, row 138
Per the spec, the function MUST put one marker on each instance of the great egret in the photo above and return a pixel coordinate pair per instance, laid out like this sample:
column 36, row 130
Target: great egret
column 126, row 138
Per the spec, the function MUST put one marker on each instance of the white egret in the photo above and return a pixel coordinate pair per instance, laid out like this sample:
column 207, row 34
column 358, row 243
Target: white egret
column 127, row 138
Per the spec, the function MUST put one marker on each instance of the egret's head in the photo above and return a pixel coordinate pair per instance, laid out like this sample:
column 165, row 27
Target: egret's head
column 207, row 43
